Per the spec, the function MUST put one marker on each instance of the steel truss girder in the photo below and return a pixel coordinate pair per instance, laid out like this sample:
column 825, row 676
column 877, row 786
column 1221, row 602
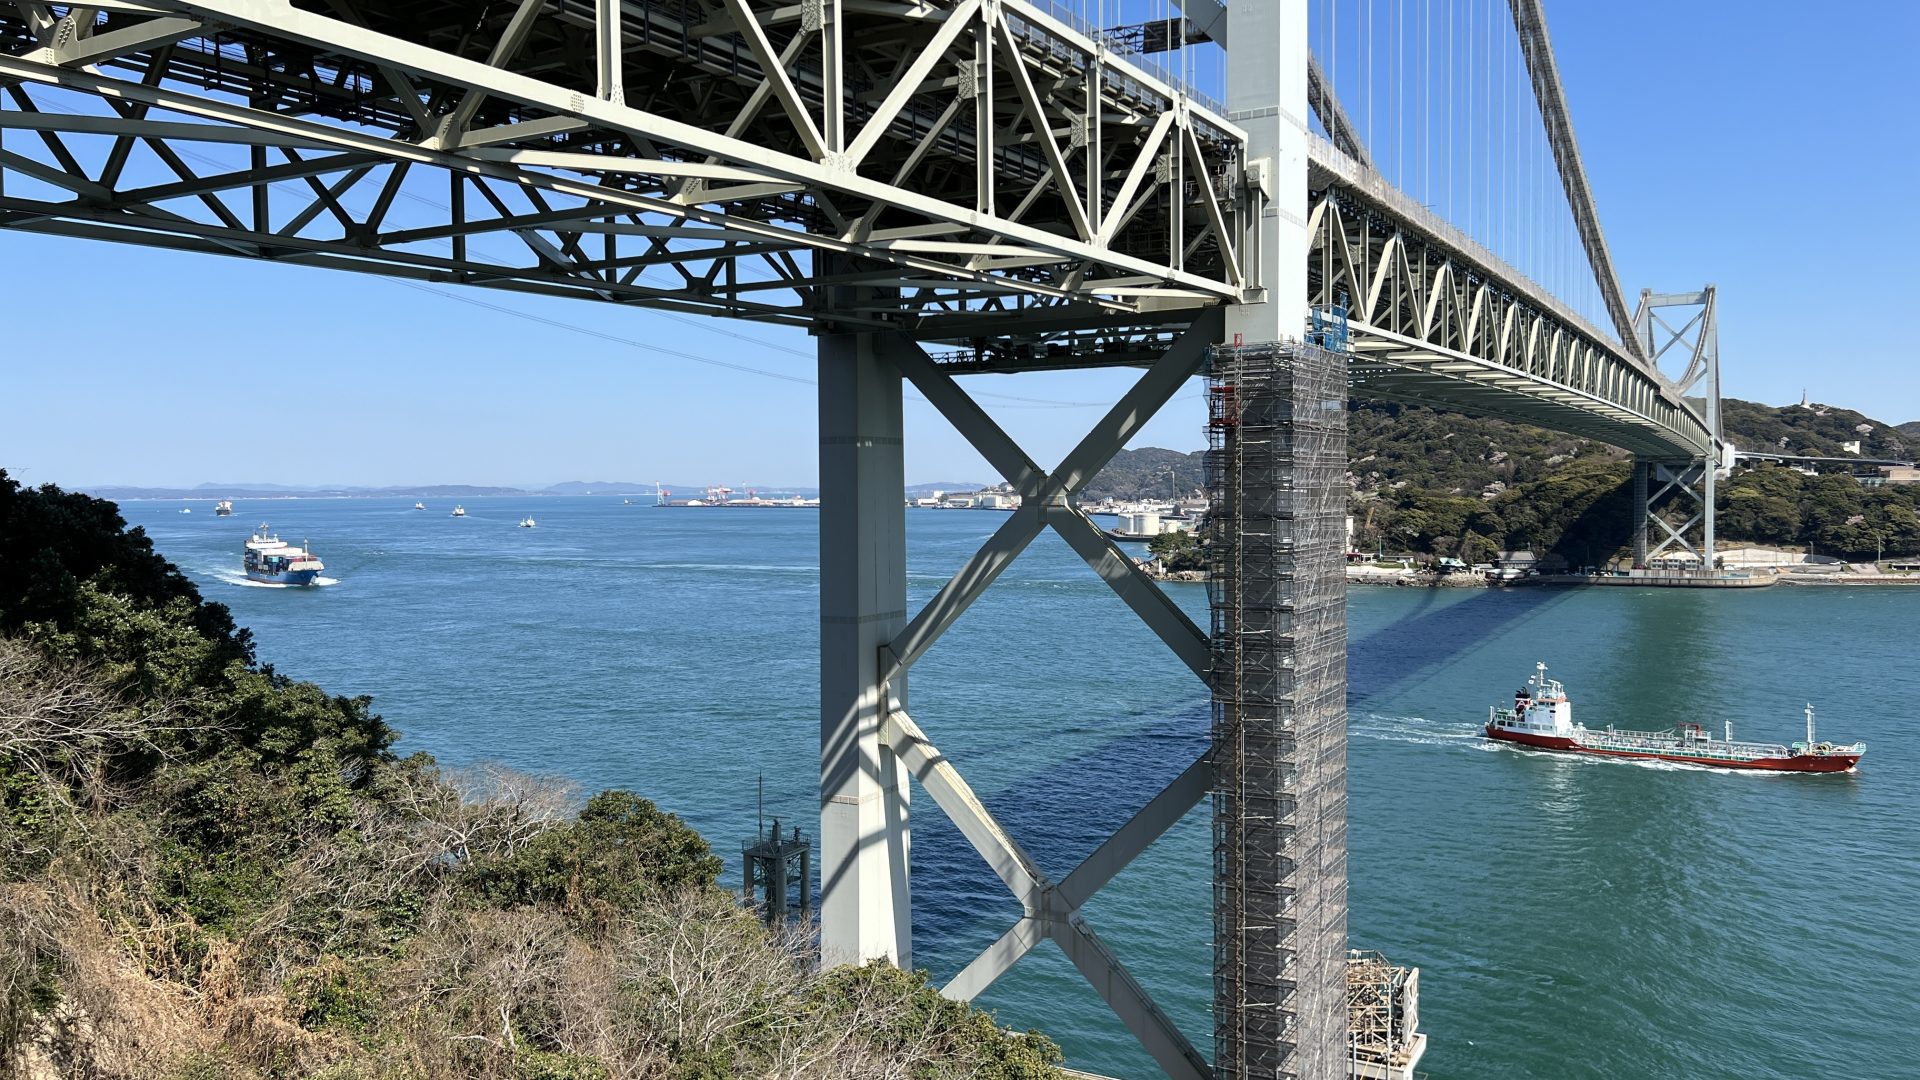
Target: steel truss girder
column 729, row 255
column 818, row 172
column 1477, row 340
column 1051, row 910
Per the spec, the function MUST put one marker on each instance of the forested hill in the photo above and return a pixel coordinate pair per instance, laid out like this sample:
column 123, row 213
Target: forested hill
column 1816, row 430
column 1147, row 473
column 1390, row 446
column 1448, row 483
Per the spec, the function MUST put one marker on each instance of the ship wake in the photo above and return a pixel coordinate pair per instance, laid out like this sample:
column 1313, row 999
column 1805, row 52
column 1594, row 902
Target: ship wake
column 226, row 578
column 1416, row 729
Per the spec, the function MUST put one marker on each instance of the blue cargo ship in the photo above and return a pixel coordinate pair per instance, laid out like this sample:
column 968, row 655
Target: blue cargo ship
column 273, row 560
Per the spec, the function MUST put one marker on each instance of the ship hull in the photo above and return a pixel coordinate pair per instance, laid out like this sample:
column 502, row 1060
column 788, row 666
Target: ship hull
column 1820, row 763
column 290, row 577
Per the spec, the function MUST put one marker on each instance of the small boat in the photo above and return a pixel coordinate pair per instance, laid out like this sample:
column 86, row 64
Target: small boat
column 527, row 522
column 1542, row 719
column 419, row 506
column 186, row 509
column 223, row 508
column 274, row 561
column 459, row 511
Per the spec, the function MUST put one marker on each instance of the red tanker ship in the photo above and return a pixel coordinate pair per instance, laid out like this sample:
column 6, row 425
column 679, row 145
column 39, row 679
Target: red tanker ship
column 1542, row 719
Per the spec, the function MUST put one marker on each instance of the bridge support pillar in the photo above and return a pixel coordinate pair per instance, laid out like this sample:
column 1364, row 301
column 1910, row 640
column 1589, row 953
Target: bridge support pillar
column 1267, row 95
column 1276, row 464
column 1708, row 470
column 1641, row 511
column 864, row 835
column 1684, row 487
column 1277, row 468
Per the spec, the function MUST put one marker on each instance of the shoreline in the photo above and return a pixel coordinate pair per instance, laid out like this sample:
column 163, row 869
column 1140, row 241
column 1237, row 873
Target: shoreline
column 1849, row 579
column 1467, row 581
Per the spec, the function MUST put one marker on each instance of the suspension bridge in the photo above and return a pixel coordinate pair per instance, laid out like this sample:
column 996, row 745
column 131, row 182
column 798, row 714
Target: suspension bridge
column 936, row 189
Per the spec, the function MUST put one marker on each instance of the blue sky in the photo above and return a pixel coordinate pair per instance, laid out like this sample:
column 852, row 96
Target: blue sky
column 1753, row 145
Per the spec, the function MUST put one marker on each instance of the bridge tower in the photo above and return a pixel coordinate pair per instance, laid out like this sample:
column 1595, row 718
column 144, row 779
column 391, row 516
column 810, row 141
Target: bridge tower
column 1674, row 327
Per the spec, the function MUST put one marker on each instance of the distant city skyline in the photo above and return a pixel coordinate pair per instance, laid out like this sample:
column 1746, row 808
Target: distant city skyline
column 131, row 366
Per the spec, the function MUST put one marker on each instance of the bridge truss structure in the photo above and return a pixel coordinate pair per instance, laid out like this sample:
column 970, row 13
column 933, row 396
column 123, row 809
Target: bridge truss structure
column 979, row 155
column 932, row 188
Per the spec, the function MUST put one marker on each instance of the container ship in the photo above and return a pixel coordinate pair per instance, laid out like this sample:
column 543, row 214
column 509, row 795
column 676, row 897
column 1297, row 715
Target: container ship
column 271, row 559
column 1542, row 719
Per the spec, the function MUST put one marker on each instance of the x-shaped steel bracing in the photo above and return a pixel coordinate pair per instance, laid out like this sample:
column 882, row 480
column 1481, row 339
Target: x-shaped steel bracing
column 1052, row 909
column 1677, row 480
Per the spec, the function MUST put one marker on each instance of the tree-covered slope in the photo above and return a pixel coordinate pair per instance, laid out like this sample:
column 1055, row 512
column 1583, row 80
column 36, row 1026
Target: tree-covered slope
column 1446, row 483
column 212, row 871
column 1814, row 431
column 1449, row 484
column 1147, row 473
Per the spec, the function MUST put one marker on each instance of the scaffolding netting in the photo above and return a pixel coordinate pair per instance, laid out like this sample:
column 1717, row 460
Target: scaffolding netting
column 1276, row 473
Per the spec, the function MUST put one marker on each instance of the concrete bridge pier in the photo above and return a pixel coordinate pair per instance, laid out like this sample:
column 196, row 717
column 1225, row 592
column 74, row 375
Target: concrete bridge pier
column 1640, row 513
column 865, row 837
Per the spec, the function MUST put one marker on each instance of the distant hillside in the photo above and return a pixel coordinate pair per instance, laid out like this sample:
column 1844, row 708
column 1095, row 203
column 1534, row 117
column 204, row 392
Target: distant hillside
column 282, row 491
column 1447, row 483
column 405, row 491
column 1147, row 473
column 1452, row 484
column 932, row 486
column 604, row 487
column 1816, row 431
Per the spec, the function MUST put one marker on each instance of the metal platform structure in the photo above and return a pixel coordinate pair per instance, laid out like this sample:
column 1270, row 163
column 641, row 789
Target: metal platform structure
column 933, row 188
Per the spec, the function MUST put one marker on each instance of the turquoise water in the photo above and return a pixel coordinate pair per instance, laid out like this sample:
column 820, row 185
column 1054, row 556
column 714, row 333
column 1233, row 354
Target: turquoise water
column 1571, row 918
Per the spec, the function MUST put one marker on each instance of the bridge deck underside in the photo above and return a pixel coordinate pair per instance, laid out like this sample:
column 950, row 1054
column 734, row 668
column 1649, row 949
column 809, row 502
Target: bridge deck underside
column 1437, row 319
column 972, row 160
column 991, row 178
column 1413, row 384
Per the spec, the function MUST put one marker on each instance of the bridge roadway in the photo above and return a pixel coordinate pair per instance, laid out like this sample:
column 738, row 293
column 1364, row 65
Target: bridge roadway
column 695, row 166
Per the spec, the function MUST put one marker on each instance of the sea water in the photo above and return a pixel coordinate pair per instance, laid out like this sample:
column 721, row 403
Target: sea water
column 1570, row 917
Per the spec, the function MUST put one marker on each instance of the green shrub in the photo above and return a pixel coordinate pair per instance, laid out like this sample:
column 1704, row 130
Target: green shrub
column 621, row 850
column 969, row 1043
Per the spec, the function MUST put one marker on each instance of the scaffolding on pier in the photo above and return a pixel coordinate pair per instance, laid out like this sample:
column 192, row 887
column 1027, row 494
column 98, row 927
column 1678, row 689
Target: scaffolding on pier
column 1276, row 468
column 1383, row 1018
